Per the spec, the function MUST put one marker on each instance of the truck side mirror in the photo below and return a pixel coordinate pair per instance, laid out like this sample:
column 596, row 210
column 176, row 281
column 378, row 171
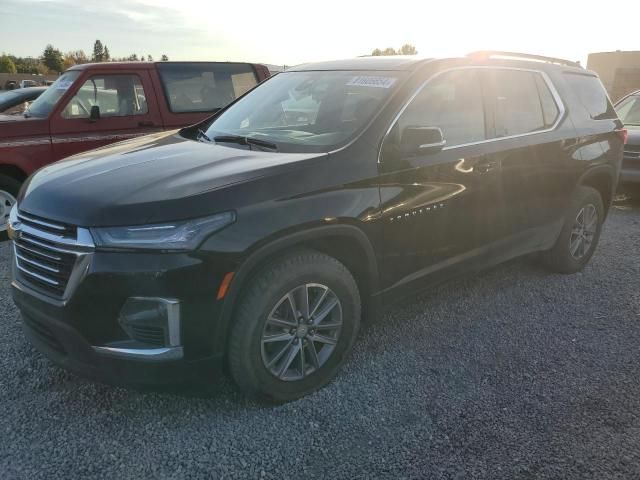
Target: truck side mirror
column 421, row 140
column 94, row 115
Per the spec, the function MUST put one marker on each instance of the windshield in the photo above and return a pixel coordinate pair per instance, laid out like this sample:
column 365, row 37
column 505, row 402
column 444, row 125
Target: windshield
column 629, row 110
column 307, row 111
column 45, row 103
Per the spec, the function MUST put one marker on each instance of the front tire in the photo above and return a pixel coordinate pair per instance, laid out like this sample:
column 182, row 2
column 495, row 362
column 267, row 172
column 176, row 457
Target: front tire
column 579, row 235
column 294, row 326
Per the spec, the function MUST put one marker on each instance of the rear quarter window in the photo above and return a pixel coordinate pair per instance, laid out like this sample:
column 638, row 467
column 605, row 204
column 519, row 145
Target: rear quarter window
column 204, row 87
column 592, row 95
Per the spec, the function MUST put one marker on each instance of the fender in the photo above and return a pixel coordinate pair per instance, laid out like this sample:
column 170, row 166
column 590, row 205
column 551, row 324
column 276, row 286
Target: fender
column 282, row 243
column 599, row 170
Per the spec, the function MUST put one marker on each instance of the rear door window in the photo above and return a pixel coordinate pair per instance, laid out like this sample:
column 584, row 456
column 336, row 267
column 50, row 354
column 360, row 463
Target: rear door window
column 592, row 95
column 204, row 87
column 521, row 102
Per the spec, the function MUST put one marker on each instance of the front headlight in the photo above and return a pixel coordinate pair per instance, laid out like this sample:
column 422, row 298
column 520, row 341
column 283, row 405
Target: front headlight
column 183, row 235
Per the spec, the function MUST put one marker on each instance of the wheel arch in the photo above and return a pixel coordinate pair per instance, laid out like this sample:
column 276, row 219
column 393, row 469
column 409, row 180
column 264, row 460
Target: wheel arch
column 601, row 178
column 347, row 243
column 13, row 171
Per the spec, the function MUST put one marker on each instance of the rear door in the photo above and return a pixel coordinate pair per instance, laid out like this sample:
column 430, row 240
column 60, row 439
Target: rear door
column 128, row 108
column 525, row 110
column 439, row 209
column 195, row 91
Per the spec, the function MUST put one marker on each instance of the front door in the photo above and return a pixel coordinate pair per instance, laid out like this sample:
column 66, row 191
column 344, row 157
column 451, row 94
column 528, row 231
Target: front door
column 127, row 109
column 441, row 208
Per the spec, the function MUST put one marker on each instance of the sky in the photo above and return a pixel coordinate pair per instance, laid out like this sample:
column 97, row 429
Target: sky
column 293, row 32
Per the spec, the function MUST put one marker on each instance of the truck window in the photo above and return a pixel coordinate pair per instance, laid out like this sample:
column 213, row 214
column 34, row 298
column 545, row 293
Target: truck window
column 204, row 87
column 116, row 95
column 45, row 103
column 591, row 94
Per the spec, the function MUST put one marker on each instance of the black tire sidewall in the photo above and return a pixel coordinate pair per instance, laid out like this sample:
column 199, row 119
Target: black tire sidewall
column 563, row 258
column 251, row 321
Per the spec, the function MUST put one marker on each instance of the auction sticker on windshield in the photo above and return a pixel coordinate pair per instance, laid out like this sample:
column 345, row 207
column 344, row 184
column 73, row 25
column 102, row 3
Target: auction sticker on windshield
column 372, row 81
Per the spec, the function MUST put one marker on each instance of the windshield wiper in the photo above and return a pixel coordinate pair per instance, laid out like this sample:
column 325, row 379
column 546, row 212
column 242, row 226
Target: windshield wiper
column 240, row 140
column 202, row 135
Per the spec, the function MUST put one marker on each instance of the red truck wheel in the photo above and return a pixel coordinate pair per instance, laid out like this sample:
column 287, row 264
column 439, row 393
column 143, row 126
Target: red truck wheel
column 8, row 191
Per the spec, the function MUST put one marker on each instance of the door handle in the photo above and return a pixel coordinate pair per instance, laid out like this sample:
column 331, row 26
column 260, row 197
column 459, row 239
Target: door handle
column 146, row 124
column 485, row 167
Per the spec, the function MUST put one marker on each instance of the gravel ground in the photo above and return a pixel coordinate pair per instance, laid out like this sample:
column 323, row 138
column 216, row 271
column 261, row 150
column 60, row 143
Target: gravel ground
column 514, row 373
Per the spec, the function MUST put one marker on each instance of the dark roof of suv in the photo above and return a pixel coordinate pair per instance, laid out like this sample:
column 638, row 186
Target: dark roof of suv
column 411, row 62
column 394, row 62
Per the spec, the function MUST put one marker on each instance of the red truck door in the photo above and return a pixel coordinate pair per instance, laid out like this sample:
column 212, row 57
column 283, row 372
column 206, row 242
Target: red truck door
column 127, row 104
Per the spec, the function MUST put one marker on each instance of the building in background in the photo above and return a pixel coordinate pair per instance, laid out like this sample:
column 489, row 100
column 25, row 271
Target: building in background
column 619, row 71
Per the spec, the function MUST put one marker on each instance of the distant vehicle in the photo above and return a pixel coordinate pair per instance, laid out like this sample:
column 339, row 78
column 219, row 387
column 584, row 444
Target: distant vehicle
column 28, row 83
column 629, row 112
column 256, row 238
column 93, row 105
column 15, row 102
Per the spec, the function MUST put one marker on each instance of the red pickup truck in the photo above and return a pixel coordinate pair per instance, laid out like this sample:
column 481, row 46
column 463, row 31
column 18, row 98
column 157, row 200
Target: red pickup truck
column 95, row 104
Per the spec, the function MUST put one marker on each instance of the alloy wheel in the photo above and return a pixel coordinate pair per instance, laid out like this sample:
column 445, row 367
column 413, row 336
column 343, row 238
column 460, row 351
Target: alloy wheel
column 583, row 231
column 301, row 332
column 7, row 201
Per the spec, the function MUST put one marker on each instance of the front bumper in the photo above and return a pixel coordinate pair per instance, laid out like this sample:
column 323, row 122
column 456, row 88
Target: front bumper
column 82, row 333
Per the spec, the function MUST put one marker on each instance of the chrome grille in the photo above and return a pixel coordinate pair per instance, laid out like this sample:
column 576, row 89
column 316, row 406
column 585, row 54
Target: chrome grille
column 66, row 231
column 50, row 257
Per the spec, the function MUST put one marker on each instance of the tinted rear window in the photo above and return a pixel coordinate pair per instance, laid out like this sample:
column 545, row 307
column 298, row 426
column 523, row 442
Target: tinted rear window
column 204, row 87
column 521, row 102
column 592, row 95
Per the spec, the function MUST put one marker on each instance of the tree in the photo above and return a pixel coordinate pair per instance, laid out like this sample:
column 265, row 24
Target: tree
column 133, row 58
column 164, row 58
column 106, row 56
column 149, row 58
column 7, row 65
column 98, row 51
column 389, row 51
column 52, row 58
column 407, row 49
column 76, row 57
column 142, row 59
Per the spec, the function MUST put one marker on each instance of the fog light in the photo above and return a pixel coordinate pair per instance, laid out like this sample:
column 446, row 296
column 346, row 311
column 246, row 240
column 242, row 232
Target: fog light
column 154, row 321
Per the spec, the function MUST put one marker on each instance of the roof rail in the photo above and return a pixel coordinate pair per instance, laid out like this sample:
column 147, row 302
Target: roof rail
column 483, row 54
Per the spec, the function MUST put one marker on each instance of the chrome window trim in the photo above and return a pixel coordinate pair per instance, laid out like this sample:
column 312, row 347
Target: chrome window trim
column 545, row 77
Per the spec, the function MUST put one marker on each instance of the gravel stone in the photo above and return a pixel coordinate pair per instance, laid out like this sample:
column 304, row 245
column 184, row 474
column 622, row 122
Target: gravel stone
column 513, row 373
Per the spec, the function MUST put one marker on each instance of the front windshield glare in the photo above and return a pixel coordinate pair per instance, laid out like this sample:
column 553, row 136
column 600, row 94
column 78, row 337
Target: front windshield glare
column 45, row 103
column 629, row 110
column 307, row 111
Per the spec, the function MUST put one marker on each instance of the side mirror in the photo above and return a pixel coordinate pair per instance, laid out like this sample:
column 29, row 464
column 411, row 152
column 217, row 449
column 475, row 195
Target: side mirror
column 94, row 115
column 421, row 140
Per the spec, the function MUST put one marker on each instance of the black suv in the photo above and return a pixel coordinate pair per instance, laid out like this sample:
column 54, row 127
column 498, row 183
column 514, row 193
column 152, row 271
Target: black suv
column 260, row 237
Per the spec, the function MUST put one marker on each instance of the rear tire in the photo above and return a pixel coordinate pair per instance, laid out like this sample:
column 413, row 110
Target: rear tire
column 267, row 334
column 579, row 235
column 9, row 188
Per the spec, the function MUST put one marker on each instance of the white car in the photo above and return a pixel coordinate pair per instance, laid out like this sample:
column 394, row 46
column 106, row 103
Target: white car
column 28, row 83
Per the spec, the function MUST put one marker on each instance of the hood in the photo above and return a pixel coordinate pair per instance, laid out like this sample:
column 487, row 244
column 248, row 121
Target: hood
column 156, row 178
